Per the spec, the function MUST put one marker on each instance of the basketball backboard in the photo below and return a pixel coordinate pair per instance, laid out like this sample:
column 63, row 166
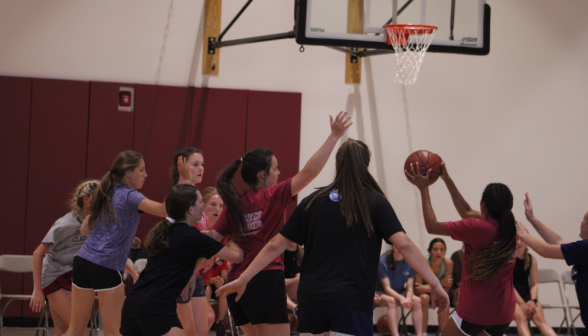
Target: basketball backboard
column 463, row 25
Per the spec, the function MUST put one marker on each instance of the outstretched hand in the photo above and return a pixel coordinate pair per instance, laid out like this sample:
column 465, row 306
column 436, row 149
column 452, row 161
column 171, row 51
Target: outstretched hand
column 136, row 243
column 184, row 170
column 528, row 207
column 415, row 177
column 236, row 286
column 444, row 173
column 521, row 230
column 340, row 124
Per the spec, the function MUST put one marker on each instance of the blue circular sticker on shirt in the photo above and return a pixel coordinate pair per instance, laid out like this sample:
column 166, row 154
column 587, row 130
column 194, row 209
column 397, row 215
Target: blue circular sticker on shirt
column 334, row 195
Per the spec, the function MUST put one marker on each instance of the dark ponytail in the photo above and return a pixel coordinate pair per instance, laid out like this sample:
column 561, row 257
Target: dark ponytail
column 498, row 201
column 390, row 261
column 352, row 177
column 259, row 159
column 101, row 206
column 177, row 202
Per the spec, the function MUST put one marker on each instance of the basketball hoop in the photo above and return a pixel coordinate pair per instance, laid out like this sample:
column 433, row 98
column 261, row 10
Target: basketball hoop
column 410, row 42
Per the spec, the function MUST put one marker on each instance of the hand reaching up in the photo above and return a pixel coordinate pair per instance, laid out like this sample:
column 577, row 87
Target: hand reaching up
column 340, row 124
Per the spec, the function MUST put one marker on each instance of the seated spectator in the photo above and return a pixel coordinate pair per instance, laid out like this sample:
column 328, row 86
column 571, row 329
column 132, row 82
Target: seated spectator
column 527, row 290
column 443, row 269
column 214, row 279
column 395, row 287
column 457, row 258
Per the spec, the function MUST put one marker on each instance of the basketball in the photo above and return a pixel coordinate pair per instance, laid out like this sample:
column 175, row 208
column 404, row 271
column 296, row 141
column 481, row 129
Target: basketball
column 383, row 325
column 427, row 160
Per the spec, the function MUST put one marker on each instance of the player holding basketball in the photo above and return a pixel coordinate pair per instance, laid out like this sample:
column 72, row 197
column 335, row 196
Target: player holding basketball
column 341, row 227
column 255, row 217
column 487, row 296
column 555, row 247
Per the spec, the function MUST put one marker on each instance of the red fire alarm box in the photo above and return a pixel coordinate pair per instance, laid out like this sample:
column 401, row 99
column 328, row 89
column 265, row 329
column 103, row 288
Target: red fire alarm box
column 126, row 99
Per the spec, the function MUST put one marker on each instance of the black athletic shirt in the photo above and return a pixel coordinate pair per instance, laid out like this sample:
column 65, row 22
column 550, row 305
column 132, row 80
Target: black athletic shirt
column 520, row 278
column 166, row 274
column 340, row 264
column 576, row 254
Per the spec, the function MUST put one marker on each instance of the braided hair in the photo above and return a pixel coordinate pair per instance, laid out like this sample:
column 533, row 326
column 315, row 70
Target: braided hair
column 498, row 201
column 85, row 189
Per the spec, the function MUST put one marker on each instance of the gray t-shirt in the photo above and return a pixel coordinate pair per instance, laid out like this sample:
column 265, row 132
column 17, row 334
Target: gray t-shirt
column 65, row 240
column 109, row 245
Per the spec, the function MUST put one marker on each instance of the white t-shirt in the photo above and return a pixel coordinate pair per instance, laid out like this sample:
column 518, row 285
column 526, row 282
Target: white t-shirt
column 65, row 240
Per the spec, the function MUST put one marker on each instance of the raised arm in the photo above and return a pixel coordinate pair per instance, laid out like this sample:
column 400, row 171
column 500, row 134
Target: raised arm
column 461, row 205
column 231, row 252
column 270, row 251
column 317, row 162
column 422, row 183
column 415, row 258
column 215, row 235
column 38, row 300
column 546, row 233
column 153, row 208
column 544, row 249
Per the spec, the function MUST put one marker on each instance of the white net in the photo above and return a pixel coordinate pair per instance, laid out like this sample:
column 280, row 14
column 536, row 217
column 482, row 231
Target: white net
column 410, row 44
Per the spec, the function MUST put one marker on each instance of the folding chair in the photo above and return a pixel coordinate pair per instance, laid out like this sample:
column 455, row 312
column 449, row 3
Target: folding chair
column 20, row 264
column 231, row 321
column 566, row 279
column 546, row 276
column 402, row 321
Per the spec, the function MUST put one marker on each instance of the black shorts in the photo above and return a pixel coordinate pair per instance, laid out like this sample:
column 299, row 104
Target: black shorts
column 471, row 329
column 88, row 275
column 318, row 320
column 264, row 301
column 198, row 291
column 212, row 291
column 149, row 325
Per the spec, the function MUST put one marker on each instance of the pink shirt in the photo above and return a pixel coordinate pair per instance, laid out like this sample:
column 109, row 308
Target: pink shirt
column 203, row 223
column 491, row 301
column 264, row 213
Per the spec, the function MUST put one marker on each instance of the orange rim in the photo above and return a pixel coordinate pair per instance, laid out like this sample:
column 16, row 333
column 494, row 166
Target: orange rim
column 409, row 29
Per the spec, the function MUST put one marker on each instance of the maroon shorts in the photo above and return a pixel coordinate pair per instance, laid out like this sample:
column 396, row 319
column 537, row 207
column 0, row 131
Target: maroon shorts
column 63, row 282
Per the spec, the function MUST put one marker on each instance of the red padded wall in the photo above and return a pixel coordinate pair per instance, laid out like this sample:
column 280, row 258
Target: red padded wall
column 219, row 122
column 15, row 115
column 162, row 126
column 110, row 131
column 57, row 160
column 273, row 121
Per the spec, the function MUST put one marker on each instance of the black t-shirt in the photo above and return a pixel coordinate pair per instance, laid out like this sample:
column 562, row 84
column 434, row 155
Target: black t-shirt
column 340, row 264
column 291, row 267
column 576, row 254
column 520, row 278
column 166, row 275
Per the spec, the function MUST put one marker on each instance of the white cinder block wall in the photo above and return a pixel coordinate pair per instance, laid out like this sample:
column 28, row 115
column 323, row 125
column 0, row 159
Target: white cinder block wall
column 516, row 116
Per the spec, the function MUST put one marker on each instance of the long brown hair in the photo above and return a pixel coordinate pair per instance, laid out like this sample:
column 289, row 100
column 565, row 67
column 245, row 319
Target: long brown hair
column 390, row 261
column 177, row 202
column 498, row 201
column 259, row 159
column 85, row 189
column 101, row 206
column 174, row 174
column 352, row 177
